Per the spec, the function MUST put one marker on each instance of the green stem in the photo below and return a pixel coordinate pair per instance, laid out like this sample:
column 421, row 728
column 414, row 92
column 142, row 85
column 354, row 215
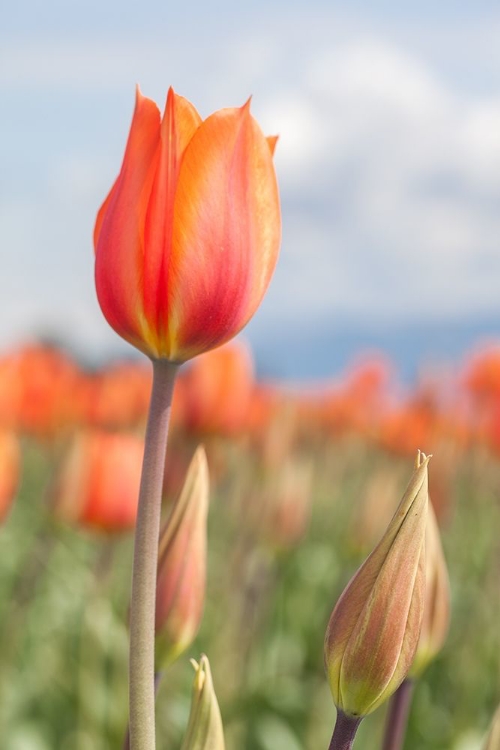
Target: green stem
column 344, row 732
column 397, row 716
column 143, row 601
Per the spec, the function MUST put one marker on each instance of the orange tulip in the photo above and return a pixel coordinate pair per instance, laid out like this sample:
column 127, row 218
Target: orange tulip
column 10, row 460
column 187, row 239
column 219, row 390
column 98, row 483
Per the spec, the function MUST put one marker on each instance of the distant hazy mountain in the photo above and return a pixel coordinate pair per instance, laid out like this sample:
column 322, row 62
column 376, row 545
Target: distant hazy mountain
column 325, row 350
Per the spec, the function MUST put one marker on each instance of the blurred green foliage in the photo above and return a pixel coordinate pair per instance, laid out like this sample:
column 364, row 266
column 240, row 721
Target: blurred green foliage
column 64, row 600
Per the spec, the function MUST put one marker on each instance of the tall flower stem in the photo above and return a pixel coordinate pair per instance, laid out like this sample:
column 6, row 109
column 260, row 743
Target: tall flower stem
column 143, row 601
column 344, row 732
column 397, row 716
column 126, row 742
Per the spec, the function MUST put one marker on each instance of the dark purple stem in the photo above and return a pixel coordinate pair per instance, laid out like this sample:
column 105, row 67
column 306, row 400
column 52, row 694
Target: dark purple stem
column 397, row 717
column 344, row 732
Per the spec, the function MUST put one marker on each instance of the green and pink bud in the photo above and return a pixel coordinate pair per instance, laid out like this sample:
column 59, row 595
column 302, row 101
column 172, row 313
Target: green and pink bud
column 180, row 588
column 374, row 630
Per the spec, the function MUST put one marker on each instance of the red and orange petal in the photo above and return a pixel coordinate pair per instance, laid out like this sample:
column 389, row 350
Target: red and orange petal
column 226, row 233
column 179, row 124
column 119, row 230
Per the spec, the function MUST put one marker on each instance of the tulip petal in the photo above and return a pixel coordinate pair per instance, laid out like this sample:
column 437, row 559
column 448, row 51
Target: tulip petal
column 226, row 233
column 102, row 213
column 436, row 618
column 120, row 228
column 272, row 141
column 180, row 121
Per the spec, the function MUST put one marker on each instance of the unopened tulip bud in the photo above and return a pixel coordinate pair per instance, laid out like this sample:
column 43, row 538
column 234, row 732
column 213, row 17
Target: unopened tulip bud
column 493, row 738
column 374, row 629
column 204, row 731
column 180, row 588
column 436, row 617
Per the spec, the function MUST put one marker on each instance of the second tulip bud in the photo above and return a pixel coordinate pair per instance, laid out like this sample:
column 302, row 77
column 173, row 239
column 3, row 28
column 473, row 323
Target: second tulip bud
column 374, row 629
column 180, row 588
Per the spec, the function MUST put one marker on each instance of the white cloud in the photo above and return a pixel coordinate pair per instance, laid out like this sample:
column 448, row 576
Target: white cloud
column 390, row 171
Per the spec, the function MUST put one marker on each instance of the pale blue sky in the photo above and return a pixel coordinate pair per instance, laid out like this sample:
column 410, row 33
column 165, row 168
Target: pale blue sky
column 388, row 160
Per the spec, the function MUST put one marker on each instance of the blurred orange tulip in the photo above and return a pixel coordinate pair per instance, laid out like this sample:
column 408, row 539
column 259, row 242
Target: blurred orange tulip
column 9, row 471
column 37, row 383
column 97, row 485
column 482, row 376
column 219, row 388
column 116, row 397
column 187, row 239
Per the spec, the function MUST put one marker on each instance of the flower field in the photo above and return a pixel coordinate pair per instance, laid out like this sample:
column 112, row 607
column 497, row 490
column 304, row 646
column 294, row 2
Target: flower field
column 303, row 483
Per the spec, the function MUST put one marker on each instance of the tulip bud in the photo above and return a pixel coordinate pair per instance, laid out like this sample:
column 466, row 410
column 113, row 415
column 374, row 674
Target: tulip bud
column 436, row 617
column 180, row 587
column 493, row 738
column 204, row 731
column 374, row 629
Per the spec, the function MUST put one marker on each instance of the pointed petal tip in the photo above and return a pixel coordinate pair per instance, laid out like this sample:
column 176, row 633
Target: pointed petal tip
column 142, row 101
column 246, row 106
column 200, row 457
column 422, row 459
column 202, row 669
column 139, row 96
column 170, row 96
column 272, row 141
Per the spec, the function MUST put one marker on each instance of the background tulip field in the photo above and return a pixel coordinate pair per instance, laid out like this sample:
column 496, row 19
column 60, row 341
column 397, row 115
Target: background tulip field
column 303, row 482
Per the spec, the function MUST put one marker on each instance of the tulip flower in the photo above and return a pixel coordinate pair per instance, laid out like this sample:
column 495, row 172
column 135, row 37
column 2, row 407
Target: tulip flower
column 10, row 459
column 180, row 587
column 219, row 387
column 185, row 246
column 188, row 238
column 204, row 731
column 97, row 485
column 374, row 629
